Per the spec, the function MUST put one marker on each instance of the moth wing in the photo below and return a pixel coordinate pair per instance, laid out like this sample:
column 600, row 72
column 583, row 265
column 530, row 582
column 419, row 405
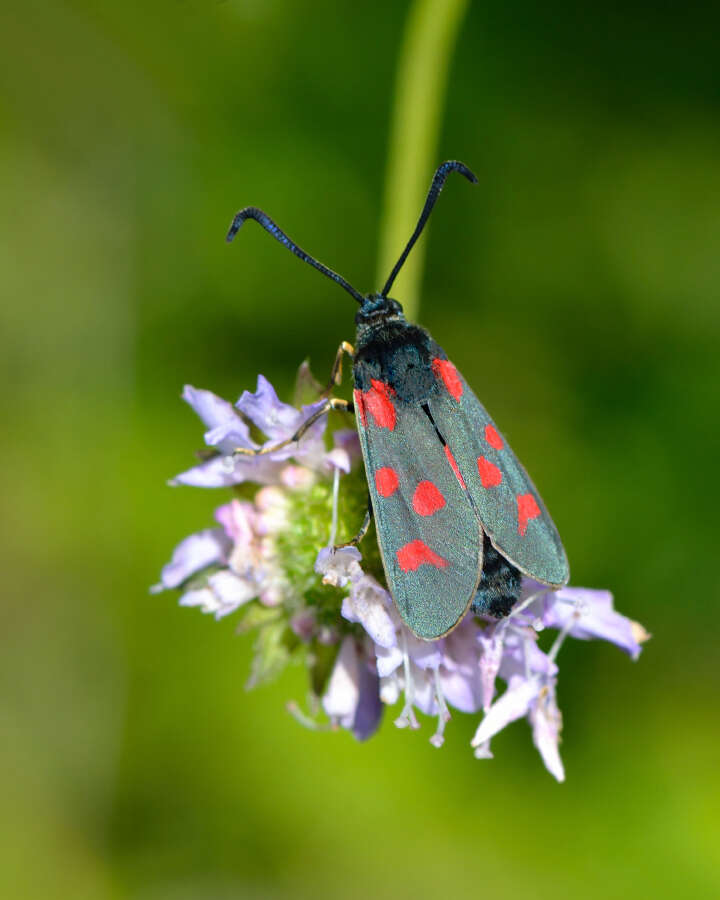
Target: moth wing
column 429, row 536
column 511, row 511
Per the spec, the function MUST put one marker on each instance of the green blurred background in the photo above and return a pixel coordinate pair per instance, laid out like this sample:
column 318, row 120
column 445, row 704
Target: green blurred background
column 576, row 288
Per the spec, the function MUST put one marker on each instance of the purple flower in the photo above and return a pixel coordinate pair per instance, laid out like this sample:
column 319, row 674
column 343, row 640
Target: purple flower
column 258, row 557
column 352, row 698
column 279, row 421
column 196, row 552
column 586, row 614
column 338, row 567
column 229, row 431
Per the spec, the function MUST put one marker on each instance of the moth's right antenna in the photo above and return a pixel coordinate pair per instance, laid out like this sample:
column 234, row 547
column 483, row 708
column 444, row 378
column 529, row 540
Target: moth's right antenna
column 437, row 185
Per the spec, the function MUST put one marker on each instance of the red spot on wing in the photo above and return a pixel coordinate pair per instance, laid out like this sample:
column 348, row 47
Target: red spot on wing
column 493, row 438
column 490, row 475
column 360, row 407
column 427, row 499
column 413, row 555
column 451, row 460
column 527, row 509
column 444, row 369
column 377, row 402
column 386, row 481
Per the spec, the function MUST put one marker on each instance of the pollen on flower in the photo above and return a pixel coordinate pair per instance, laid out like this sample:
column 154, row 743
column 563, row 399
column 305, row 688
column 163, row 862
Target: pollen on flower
column 269, row 560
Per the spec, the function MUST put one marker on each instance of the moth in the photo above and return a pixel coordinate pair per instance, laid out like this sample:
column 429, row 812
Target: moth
column 458, row 519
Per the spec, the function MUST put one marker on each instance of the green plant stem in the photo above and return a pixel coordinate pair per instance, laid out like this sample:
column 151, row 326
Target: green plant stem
column 422, row 75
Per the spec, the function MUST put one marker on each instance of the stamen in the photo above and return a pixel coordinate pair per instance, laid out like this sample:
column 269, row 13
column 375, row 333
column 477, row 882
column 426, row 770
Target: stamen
column 526, row 656
column 335, row 494
column 560, row 639
column 523, row 606
column 444, row 717
column 293, row 708
column 407, row 717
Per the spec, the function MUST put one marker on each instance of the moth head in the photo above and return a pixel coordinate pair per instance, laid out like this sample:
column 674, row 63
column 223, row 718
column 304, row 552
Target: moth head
column 376, row 308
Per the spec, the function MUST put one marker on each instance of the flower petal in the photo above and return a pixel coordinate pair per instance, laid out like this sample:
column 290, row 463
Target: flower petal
column 224, row 471
column 390, row 688
column 337, row 458
column 369, row 709
column 203, row 597
column 347, row 439
column 512, row 705
column 388, row 659
column 196, row 552
column 491, row 643
column 368, row 604
column 230, row 435
column 546, row 724
column 277, row 420
column 338, row 567
column 231, row 591
column 424, row 697
column 460, row 689
column 343, row 691
column 238, row 520
column 589, row 614
column 521, row 655
column 425, row 654
column 213, row 410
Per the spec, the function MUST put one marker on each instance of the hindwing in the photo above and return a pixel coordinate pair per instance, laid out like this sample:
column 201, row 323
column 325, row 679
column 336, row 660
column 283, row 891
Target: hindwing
column 429, row 536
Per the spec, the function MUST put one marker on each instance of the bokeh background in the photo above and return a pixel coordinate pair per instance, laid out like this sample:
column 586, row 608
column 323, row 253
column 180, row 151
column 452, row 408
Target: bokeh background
column 577, row 289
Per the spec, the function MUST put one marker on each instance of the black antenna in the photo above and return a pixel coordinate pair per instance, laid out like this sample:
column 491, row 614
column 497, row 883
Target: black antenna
column 437, row 185
column 251, row 212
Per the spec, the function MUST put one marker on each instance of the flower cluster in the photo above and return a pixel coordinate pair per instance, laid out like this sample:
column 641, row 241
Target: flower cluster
column 271, row 557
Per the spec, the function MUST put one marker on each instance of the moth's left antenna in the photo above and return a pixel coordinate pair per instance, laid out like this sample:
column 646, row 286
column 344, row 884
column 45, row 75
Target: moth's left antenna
column 251, row 212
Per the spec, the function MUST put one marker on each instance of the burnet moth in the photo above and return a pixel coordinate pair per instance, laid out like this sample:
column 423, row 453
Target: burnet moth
column 458, row 519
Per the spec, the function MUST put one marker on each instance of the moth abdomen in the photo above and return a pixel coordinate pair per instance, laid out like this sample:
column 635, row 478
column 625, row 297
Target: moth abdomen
column 500, row 584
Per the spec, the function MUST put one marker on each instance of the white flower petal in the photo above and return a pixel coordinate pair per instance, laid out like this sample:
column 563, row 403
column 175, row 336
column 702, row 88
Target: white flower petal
column 513, row 704
column 546, row 724
column 388, row 659
column 338, row 567
column 204, row 598
column 337, row 459
column 343, row 690
column 390, row 688
column 483, row 751
column 231, row 591
column 423, row 693
column 425, row 654
column 367, row 604
column 491, row 642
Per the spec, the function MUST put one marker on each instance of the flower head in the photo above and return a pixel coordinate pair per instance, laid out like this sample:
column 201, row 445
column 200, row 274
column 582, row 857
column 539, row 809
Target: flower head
column 271, row 559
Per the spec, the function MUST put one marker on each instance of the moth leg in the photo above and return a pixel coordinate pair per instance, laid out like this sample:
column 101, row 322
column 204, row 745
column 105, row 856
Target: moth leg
column 336, row 371
column 353, row 542
column 331, row 403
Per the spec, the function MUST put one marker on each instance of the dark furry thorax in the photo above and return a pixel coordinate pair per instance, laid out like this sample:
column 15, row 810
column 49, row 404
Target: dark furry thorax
column 392, row 350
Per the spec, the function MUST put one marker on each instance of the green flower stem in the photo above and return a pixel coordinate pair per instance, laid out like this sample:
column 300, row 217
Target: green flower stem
column 422, row 75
